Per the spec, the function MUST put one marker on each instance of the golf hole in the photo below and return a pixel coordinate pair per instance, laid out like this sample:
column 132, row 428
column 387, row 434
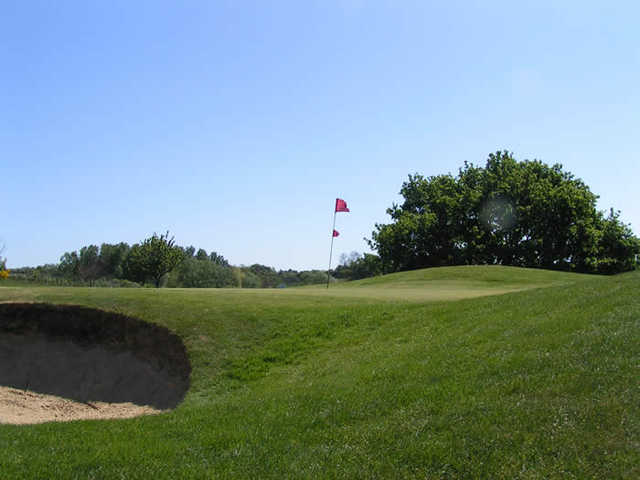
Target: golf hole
column 63, row 362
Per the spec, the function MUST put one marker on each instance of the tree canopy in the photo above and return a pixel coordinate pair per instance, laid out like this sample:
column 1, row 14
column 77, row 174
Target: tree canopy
column 509, row 212
column 153, row 258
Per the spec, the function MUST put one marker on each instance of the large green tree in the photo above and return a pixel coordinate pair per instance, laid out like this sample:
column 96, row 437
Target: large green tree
column 508, row 212
column 152, row 259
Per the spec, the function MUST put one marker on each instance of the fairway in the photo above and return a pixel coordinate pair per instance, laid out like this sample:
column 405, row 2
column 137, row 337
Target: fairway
column 457, row 372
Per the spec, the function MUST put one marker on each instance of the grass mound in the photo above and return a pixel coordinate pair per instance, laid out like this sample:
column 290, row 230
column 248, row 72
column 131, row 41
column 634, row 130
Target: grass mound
column 472, row 274
column 452, row 283
column 541, row 382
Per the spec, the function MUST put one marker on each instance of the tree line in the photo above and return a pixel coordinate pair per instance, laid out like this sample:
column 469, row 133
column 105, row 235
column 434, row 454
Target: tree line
column 158, row 261
column 507, row 212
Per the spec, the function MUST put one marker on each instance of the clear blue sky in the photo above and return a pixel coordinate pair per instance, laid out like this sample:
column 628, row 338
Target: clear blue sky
column 236, row 124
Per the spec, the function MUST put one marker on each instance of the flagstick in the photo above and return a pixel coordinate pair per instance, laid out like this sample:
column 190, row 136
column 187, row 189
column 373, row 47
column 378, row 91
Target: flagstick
column 331, row 251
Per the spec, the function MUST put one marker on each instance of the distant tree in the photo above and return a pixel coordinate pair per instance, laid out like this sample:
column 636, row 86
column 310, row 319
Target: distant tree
column 92, row 262
column 289, row 278
column 267, row 275
column 250, row 279
column 238, row 276
column 219, row 259
column 348, row 259
column 152, row 259
column 356, row 266
column 368, row 265
column 202, row 254
column 312, row 277
column 508, row 212
column 69, row 265
column 195, row 273
column 343, row 270
column 89, row 268
column 112, row 257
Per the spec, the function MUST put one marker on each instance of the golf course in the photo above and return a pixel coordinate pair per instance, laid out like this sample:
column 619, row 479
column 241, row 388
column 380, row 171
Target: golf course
column 451, row 372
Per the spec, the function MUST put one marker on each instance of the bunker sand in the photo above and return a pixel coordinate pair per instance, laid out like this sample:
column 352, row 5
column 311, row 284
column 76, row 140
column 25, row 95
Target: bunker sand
column 19, row 407
column 60, row 363
column 45, row 380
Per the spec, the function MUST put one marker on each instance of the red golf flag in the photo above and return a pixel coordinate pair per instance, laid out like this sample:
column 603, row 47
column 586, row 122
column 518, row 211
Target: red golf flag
column 341, row 205
column 336, row 233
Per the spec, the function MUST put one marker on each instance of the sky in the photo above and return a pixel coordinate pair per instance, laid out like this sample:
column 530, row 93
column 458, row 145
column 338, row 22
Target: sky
column 235, row 124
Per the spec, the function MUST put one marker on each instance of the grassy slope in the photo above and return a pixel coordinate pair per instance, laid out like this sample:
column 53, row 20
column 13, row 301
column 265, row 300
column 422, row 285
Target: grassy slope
column 304, row 383
column 454, row 283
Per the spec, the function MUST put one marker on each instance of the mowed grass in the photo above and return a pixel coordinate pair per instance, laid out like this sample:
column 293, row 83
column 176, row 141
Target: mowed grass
column 449, row 283
column 358, row 382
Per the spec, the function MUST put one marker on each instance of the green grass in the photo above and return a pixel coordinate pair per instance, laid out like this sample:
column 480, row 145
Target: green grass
column 12, row 282
column 413, row 375
column 452, row 283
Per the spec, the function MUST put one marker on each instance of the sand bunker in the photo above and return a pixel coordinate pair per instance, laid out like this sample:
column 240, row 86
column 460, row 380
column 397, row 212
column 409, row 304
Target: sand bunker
column 20, row 407
column 64, row 362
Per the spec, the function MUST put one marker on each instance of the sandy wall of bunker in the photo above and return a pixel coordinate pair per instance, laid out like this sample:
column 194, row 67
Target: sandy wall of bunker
column 88, row 354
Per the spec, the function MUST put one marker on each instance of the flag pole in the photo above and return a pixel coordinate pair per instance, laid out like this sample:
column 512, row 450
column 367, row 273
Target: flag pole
column 331, row 251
